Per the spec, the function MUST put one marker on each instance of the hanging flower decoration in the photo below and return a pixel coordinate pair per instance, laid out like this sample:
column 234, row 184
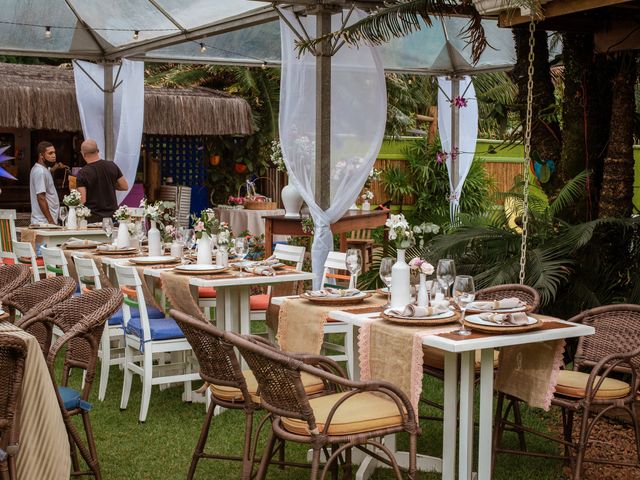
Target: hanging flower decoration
column 459, row 102
column 441, row 157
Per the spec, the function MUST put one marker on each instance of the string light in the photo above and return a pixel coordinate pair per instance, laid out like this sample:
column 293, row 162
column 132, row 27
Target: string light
column 136, row 34
column 202, row 48
column 263, row 66
column 47, row 33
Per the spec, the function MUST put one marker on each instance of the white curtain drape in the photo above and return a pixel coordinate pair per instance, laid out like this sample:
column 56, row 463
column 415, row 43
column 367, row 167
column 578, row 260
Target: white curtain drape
column 468, row 128
column 358, row 117
column 128, row 112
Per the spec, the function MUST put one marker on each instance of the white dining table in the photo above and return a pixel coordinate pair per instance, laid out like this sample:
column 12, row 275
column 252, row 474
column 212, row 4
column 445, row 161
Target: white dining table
column 54, row 237
column 465, row 350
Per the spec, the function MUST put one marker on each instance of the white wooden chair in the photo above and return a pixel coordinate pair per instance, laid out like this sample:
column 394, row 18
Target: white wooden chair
column 55, row 263
column 336, row 261
column 25, row 254
column 145, row 337
column 7, row 235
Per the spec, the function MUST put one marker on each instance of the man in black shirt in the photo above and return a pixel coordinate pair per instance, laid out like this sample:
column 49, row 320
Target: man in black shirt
column 98, row 181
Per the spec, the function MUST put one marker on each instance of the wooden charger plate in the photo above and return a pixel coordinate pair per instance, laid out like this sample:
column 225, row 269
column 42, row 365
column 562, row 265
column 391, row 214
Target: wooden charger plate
column 211, row 271
column 422, row 322
column 80, row 246
column 497, row 329
column 335, row 300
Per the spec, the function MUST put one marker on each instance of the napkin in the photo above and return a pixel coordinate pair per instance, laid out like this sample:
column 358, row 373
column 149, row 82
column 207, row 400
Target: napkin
column 412, row 310
column 79, row 240
column 260, row 270
column 519, row 318
column 334, row 292
column 512, row 302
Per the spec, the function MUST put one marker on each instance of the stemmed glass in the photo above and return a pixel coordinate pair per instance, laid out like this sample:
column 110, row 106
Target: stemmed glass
column 63, row 214
column 354, row 265
column 107, row 226
column 446, row 273
column 385, row 275
column 140, row 234
column 464, row 292
column 241, row 248
column 189, row 239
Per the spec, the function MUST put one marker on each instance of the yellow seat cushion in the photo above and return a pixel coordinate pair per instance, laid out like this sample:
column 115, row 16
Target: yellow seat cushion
column 573, row 384
column 363, row 412
column 311, row 384
column 434, row 358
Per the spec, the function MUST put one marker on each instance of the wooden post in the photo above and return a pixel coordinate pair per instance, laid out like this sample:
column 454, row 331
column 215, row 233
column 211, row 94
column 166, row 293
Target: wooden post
column 323, row 111
column 109, row 140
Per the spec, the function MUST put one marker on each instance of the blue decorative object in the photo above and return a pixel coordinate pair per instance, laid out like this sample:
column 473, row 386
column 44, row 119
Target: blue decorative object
column 5, row 158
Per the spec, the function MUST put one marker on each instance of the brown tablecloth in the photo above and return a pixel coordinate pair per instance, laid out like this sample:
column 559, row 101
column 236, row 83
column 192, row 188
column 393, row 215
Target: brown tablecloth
column 44, row 444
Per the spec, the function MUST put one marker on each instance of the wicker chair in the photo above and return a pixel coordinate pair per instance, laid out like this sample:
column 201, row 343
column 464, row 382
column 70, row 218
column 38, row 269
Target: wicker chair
column 34, row 298
column 13, row 352
column 433, row 359
column 13, row 277
column 591, row 388
column 82, row 320
column 353, row 417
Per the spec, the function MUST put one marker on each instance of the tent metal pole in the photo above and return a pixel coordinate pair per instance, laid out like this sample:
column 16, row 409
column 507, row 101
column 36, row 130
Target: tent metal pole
column 109, row 140
column 455, row 132
column 323, row 111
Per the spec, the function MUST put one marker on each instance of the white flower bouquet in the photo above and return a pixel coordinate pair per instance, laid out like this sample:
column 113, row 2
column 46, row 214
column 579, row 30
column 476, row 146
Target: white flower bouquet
column 367, row 195
column 122, row 214
column 83, row 212
column 73, row 199
column 224, row 234
column 399, row 231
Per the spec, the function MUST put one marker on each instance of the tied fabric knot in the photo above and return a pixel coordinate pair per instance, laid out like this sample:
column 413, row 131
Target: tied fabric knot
column 519, row 318
column 415, row 311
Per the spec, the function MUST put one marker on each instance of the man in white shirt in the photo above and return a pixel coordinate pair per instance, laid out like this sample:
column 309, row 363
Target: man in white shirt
column 45, row 204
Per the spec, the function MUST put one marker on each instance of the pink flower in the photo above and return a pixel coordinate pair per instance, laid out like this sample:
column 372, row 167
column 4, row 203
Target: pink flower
column 199, row 227
column 441, row 157
column 426, row 268
column 415, row 262
column 459, row 102
column 170, row 230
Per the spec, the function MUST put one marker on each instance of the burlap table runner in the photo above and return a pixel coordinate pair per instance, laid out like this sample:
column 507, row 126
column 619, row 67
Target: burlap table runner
column 393, row 353
column 301, row 323
column 29, row 235
column 44, row 445
column 177, row 289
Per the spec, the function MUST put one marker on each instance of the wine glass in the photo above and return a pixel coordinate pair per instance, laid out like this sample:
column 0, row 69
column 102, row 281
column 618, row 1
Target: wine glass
column 241, row 249
column 464, row 292
column 189, row 239
column 446, row 273
column 140, row 234
column 63, row 214
column 354, row 265
column 107, row 226
column 385, row 275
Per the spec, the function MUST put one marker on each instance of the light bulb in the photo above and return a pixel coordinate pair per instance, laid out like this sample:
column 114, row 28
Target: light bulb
column 263, row 66
column 136, row 35
column 203, row 48
column 47, row 33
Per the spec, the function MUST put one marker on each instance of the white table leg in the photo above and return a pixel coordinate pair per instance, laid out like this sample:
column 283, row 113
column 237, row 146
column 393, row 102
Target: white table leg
column 245, row 316
column 486, row 415
column 449, row 427
column 465, row 458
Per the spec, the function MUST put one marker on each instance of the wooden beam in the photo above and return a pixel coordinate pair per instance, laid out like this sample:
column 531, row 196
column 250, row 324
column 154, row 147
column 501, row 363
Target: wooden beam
column 557, row 8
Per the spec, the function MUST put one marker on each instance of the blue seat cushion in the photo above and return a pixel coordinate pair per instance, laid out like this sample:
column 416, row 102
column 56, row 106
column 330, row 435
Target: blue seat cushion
column 160, row 328
column 116, row 318
column 71, row 399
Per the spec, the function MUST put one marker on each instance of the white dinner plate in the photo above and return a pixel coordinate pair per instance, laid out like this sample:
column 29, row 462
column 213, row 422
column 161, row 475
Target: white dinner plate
column 447, row 314
column 477, row 320
column 522, row 308
column 200, row 268
column 154, row 260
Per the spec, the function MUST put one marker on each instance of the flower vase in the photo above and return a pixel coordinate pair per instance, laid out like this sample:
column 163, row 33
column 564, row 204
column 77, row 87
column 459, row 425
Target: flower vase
column 72, row 219
column 204, row 250
column 123, row 240
column 83, row 224
column 222, row 256
column 292, row 201
column 400, row 282
column 366, row 206
column 423, row 294
column 154, row 240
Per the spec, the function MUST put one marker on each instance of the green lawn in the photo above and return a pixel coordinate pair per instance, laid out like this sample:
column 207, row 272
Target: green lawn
column 161, row 448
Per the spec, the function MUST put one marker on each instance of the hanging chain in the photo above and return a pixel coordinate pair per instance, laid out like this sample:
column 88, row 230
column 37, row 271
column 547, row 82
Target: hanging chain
column 527, row 152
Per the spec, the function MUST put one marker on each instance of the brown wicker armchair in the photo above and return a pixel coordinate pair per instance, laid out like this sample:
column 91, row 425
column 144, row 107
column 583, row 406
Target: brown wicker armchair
column 230, row 387
column 34, row 298
column 82, row 320
column 353, row 417
column 594, row 386
column 13, row 277
column 13, row 352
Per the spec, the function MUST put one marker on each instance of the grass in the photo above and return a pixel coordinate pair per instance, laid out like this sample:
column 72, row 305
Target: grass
column 161, row 448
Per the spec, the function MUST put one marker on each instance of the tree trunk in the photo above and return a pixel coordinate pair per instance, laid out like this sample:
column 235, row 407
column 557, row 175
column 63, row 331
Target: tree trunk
column 616, row 193
column 545, row 133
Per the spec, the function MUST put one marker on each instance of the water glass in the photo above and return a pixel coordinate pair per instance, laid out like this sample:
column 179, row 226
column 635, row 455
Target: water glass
column 63, row 214
column 446, row 273
column 189, row 239
column 107, row 226
column 386, row 265
column 354, row 265
column 464, row 292
column 241, row 249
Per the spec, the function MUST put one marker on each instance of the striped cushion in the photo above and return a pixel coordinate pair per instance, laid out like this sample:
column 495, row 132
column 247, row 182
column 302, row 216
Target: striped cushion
column 5, row 236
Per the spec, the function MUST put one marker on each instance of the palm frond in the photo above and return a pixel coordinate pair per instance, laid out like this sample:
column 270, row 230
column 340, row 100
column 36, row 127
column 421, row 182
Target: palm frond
column 573, row 190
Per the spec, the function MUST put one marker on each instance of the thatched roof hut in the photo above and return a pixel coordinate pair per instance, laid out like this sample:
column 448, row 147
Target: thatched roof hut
column 43, row 97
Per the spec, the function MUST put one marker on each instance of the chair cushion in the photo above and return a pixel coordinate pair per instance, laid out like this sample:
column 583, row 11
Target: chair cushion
column 8, row 261
column 363, row 412
column 160, row 328
column 27, row 261
column 259, row 302
column 311, row 384
column 573, row 384
column 207, row 292
column 116, row 318
column 71, row 399
column 434, row 358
